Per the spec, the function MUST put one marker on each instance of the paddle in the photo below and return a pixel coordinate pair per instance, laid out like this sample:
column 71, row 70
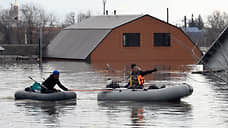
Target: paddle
column 32, row 79
column 36, row 82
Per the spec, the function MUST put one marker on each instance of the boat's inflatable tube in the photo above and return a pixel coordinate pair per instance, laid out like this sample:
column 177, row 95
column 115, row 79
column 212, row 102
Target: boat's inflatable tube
column 172, row 93
column 19, row 95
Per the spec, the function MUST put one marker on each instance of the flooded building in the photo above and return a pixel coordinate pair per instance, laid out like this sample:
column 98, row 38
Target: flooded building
column 124, row 38
column 216, row 58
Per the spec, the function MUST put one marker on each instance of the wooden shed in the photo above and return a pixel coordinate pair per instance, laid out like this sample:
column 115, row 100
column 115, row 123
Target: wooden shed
column 122, row 38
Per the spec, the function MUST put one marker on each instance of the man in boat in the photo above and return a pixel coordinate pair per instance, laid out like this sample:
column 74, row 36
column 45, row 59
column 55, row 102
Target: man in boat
column 49, row 84
column 137, row 77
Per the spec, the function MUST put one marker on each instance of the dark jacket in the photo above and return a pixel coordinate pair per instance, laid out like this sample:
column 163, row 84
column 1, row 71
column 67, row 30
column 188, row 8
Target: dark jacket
column 50, row 83
column 143, row 73
column 134, row 76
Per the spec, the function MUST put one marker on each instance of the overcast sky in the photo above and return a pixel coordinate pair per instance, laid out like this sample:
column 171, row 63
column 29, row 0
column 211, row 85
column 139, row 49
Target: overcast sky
column 157, row 8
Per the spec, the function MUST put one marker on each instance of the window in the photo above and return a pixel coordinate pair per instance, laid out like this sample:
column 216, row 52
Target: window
column 161, row 39
column 131, row 40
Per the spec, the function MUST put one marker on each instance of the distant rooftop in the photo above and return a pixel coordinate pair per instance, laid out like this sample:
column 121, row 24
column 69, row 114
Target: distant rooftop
column 192, row 29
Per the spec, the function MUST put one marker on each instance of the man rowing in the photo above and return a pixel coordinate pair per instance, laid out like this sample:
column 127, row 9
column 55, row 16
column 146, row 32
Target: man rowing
column 49, row 84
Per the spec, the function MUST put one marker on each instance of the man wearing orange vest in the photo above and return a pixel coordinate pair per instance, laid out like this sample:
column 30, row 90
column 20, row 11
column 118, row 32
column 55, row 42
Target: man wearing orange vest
column 136, row 77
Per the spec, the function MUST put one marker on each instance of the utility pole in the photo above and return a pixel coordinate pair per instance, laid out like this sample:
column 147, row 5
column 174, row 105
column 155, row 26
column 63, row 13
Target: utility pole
column 167, row 15
column 41, row 42
column 104, row 3
column 185, row 22
column 73, row 19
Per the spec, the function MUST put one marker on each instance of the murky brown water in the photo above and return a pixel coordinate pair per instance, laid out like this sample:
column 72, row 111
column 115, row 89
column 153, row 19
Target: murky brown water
column 207, row 107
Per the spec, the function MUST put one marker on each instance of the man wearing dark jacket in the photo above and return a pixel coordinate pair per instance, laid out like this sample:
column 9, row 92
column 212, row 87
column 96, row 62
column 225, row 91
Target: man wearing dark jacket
column 49, row 84
column 136, row 77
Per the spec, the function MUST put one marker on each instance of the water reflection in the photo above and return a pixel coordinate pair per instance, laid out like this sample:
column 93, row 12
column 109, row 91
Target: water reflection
column 44, row 111
column 146, row 113
column 137, row 116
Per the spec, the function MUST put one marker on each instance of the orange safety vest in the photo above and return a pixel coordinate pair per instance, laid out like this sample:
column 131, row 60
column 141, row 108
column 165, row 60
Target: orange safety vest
column 140, row 80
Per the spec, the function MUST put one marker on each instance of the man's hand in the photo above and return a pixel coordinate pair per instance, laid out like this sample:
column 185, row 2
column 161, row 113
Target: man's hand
column 155, row 69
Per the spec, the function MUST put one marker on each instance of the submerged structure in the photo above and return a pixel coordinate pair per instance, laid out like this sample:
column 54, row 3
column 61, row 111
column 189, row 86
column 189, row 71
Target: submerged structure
column 216, row 58
column 124, row 38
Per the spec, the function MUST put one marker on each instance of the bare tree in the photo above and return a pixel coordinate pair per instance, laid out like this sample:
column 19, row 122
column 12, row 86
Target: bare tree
column 34, row 17
column 30, row 16
column 27, row 26
column 83, row 16
column 197, row 22
column 200, row 22
column 9, row 26
column 217, row 20
column 70, row 19
column 4, row 25
column 53, row 21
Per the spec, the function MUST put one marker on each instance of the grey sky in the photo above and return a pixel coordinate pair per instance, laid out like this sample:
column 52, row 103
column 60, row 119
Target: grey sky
column 157, row 8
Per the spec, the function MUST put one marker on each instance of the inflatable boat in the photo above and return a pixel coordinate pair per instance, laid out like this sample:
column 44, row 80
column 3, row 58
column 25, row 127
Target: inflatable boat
column 171, row 93
column 66, row 95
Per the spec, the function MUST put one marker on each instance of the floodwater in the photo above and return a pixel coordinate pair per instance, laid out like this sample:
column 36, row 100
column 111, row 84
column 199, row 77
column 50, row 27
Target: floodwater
column 207, row 107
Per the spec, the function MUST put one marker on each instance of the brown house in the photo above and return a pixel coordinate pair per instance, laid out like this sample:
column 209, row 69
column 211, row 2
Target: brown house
column 124, row 38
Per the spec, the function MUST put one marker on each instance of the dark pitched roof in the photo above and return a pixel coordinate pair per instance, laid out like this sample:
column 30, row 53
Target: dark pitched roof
column 214, row 47
column 79, row 40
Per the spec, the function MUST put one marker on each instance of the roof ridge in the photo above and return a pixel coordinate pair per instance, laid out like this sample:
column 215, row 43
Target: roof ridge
column 104, row 22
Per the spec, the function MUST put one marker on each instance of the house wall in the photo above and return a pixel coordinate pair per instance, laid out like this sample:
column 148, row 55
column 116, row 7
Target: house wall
column 111, row 48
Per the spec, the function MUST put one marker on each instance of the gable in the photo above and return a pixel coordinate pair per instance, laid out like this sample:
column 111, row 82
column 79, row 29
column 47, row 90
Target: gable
column 112, row 47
